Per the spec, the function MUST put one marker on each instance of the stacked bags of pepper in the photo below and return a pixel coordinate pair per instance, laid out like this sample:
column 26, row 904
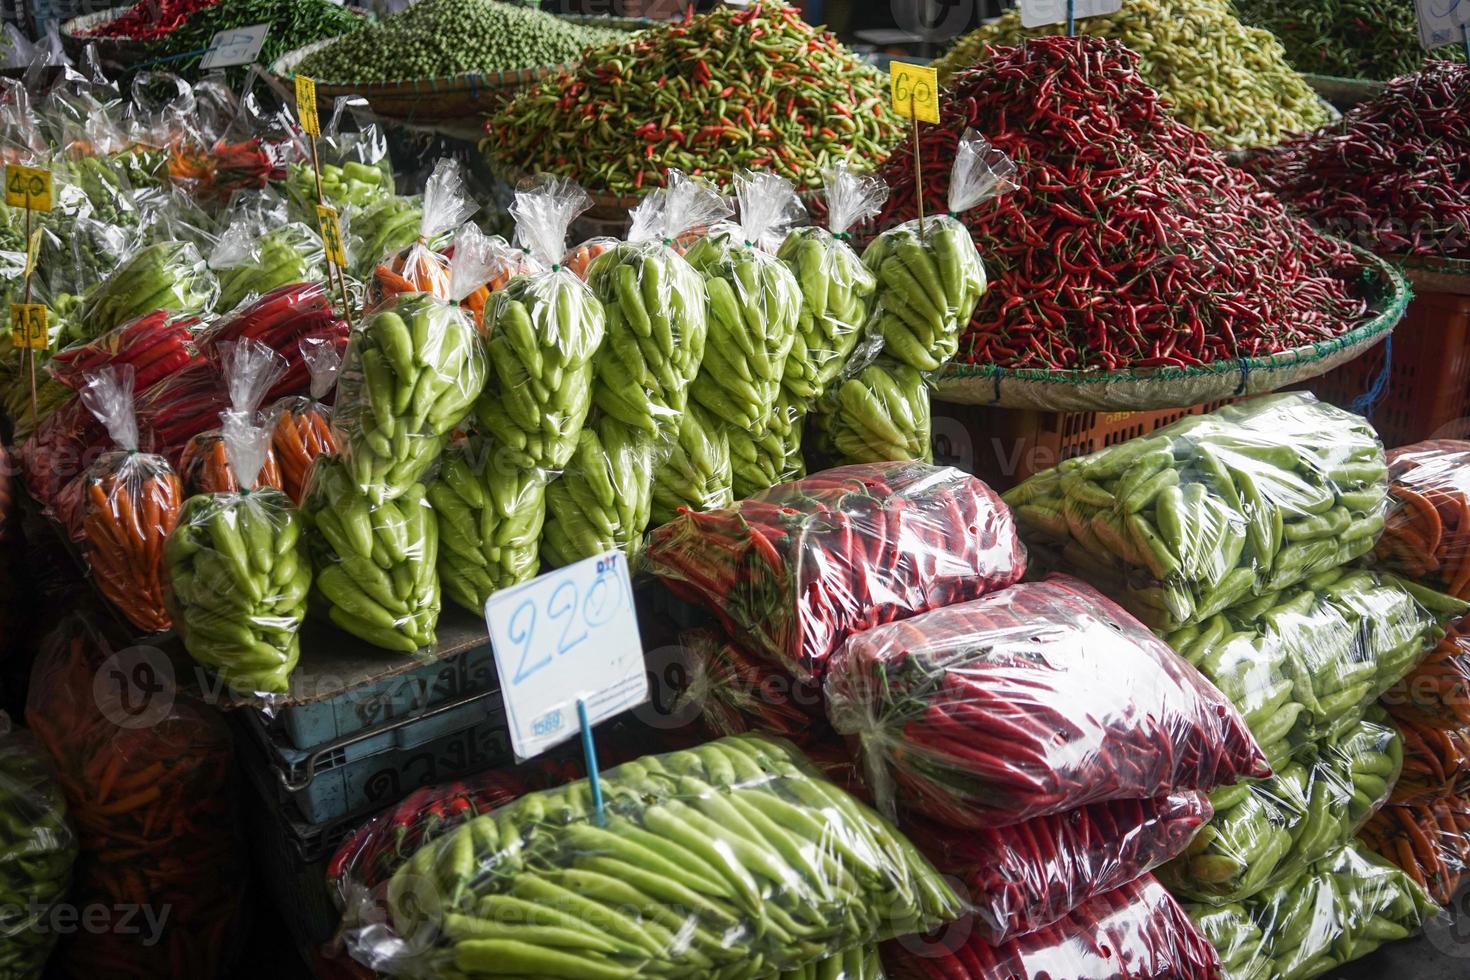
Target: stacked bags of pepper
column 797, row 568
column 149, row 781
column 258, row 253
column 1432, row 710
column 1214, row 510
column 249, row 370
column 1426, row 535
column 418, row 268
column 238, row 571
column 156, row 344
column 1338, row 910
column 37, row 849
column 1126, row 228
column 303, row 429
column 734, row 858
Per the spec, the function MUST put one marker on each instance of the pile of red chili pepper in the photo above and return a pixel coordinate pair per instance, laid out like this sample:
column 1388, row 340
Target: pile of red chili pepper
column 1129, row 242
column 1137, row 931
column 1039, row 699
column 796, row 569
column 1394, row 175
column 148, row 777
column 1030, row 874
column 149, row 19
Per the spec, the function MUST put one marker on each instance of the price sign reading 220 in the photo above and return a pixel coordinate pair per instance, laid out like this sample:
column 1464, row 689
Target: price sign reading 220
column 567, row 636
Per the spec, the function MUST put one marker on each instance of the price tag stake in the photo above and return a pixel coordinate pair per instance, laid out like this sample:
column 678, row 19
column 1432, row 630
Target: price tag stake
column 29, row 188
column 28, row 327
column 331, row 239
column 331, row 228
column 915, row 93
column 568, row 654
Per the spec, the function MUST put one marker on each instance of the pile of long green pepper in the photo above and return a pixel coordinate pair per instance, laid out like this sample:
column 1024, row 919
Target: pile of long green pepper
column 1346, row 38
column 756, row 87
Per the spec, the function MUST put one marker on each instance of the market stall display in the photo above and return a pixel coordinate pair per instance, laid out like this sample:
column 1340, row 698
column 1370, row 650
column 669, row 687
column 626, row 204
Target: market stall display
column 1226, row 80
column 797, row 568
column 1108, row 260
column 291, row 320
column 732, row 89
column 254, row 257
column 167, row 276
column 880, row 413
column 1350, row 179
column 156, row 345
column 1361, row 39
column 419, row 267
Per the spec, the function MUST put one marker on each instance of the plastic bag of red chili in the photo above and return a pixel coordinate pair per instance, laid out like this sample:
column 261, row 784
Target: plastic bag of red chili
column 156, row 345
column 1137, row 931
column 147, row 773
column 797, row 568
column 1036, row 700
column 727, row 691
column 282, row 319
column 1030, row 874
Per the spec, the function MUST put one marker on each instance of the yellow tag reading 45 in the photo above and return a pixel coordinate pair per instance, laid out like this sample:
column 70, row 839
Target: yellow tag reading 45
column 915, row 91
column 326, row 217
column 27, row 187
column 306, row 105
column 28, row 325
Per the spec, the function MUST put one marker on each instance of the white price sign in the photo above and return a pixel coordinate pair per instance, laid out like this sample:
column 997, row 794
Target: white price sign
column 567, row 636
column 1441, row 22
column 1040, row 13
column 239, row 46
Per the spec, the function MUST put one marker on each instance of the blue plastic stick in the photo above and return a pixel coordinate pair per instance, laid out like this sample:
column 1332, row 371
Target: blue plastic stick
column 1071, row 18
column 590, row 752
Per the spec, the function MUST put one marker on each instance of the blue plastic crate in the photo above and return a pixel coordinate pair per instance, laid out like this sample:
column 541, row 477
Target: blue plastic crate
column 376, row 768
column 307, row 726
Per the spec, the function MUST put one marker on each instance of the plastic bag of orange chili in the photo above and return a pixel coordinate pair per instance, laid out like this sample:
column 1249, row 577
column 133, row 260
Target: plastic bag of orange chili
column 147, row 775
column 1426, row 534
column 1437, row 692
column 129, row 503
column 303, row 429
column 250, row 368
column 1430, row 842
column 419, row 268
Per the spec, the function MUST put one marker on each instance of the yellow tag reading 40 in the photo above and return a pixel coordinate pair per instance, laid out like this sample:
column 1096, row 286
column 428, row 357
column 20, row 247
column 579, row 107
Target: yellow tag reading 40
column 306, row 105
column 28, row 325
column 915, row 91
column 27, row 187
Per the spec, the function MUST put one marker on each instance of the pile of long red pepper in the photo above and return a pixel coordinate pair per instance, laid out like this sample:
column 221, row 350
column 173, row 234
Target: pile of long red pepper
column 149, row 19
column 1394, row 175
column 1130, row 242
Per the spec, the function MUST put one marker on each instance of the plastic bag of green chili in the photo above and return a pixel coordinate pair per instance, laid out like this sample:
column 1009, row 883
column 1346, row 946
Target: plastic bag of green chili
column 1267, row 831
column 1213, row 510
column 733, row 859
column 1338, row 910
column 37, row 849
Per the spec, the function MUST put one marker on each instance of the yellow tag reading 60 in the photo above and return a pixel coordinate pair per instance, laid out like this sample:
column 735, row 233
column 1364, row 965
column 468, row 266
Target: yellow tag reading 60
column 27, row 187
column 306, row 105
column 915, row 91
column 28, row 325
column 326, row 217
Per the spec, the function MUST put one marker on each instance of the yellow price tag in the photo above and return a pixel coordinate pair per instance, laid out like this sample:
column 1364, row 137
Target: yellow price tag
column 915, row 91
column 306, row 105
column 326, row 218
column 28, row 325
column 33, row 248
column 27, row 187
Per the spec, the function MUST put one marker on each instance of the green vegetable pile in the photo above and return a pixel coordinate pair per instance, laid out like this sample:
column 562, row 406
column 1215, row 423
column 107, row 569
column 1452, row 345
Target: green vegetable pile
column 929, row 278
column 697, row 474
column 835, row 291
column 37, row 849
column 1346, row 38
column 770, row 455
column 733, row 859
column 166, row 276
column 1302, row 663
column 880, row 413
column 381, row 228
column 1340, row 909
column 375, row 564
column 1229, row 81
column 351, row 185
column 443, row 38
column 1214, row 509
column 293, row 24
column 604, row 498
column 1267, row 831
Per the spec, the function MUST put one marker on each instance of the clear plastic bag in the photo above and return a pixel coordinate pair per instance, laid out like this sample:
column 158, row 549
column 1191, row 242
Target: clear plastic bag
column 1302, row 664
column 1214, row 509
column 137, row 763
column 255, row 256
column 412, row 372
column 930, row 276
column 1136, row 931
column 836, row 287
column 1028, row 875
column 729, row 691
column 249, row 369
column 544, row 329
column 290, row 320
column 1430, row 842
column 773, row 455
column 167, row 276
column 1436, row 761
column 733, row 858
column 419, row 268
column 303, row 427
column 880, row 412
column 238, row 572
column 1267, row 832
column 798, row 568
column 353, row 154
column 1437, row 692
column 130, row 504
column 1035, row 700
column 493, row 512
column 37, row 850
column 181, row 406
column 1426, row 534
column 1339, row 910
column 604, row 498
column 157, row 345
column 384, row 227
column 697, row 475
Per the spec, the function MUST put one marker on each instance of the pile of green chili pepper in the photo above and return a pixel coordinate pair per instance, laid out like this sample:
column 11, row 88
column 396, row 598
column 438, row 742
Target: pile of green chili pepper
column 737, row 87
column 293, row 23
column 1345, row 38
